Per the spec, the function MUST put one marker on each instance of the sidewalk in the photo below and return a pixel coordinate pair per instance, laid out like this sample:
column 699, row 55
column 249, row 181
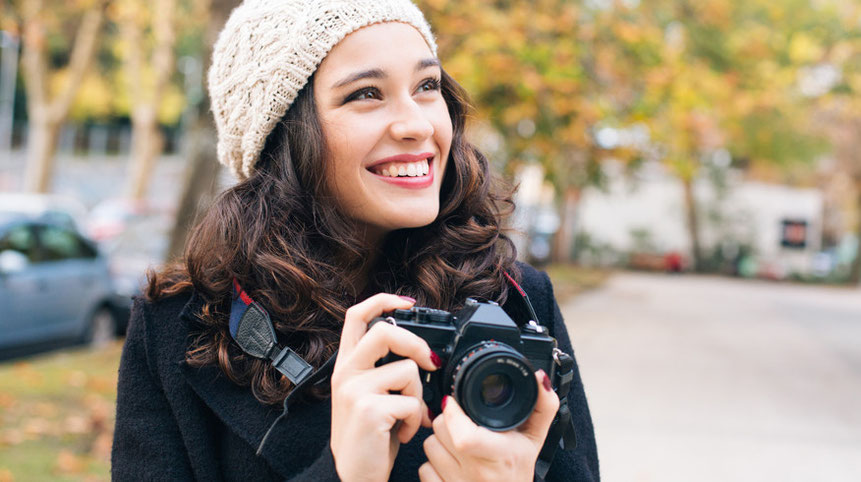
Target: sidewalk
column 713, row 379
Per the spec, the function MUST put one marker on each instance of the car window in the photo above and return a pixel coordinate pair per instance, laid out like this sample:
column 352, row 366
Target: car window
column 21, row 239
column 59, row 243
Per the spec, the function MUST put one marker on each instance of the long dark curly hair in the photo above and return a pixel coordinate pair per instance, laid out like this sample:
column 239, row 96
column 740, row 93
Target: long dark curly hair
column 294, row 252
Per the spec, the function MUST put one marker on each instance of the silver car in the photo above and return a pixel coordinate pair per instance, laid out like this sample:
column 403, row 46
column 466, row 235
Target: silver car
column 55, row 286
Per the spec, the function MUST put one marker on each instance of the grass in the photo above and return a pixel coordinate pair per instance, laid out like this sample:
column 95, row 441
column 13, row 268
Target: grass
column 570, row 280
column 57, row 415
column 57, row 410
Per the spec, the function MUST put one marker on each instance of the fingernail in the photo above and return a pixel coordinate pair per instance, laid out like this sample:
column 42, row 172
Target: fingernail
column 444, row 400
column 431, row 415
column 436, row 360
column 411, row 300
column 545, row 380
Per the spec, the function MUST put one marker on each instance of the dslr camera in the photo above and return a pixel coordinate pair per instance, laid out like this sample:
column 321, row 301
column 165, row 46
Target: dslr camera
column 488, row 361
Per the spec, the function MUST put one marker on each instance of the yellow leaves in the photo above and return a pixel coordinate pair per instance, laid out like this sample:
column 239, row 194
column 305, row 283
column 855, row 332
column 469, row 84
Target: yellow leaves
column 6, row 475
column 715, row 12
column 804, row 49
column 171, row 105
column 68, row 464
column 57, row 412
column 93, row 100
column 627, row 32
column 844, row 51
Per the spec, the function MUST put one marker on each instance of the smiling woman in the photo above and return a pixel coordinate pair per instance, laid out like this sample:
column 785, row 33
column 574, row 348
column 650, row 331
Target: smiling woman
column 387, row 127
column 358, row 194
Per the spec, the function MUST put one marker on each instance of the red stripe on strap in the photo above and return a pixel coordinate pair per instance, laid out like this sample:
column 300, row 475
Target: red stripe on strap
column 522, row 293
column 244, row 296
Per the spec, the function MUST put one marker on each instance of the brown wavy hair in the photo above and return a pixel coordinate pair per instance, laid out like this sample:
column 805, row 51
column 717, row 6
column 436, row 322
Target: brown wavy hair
column 279, row 233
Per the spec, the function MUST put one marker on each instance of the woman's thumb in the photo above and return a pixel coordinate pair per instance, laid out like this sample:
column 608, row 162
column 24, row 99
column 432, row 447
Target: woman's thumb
column 536, row 426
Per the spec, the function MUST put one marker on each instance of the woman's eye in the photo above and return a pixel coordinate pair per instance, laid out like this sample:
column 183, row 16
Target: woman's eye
column 363, row 94
column 430, row 84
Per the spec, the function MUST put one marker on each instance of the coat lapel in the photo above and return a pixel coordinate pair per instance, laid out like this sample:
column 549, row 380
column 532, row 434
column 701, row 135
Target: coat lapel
column 237, row 408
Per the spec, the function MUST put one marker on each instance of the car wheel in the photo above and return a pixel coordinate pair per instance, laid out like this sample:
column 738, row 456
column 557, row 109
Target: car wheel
column 102, row 328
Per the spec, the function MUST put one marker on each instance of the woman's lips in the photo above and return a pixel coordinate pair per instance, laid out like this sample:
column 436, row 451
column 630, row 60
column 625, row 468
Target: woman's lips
column 416, row 182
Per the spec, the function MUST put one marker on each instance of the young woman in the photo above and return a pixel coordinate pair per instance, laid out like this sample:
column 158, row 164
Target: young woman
column 358, row 195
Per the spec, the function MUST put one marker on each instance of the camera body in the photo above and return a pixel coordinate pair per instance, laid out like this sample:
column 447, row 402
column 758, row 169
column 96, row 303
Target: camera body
column 488, row 361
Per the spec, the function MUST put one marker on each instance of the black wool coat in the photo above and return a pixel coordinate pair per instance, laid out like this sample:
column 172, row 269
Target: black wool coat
column 176, row 422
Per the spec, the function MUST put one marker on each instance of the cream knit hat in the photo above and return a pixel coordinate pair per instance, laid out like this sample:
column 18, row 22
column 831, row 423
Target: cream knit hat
column 267, row 51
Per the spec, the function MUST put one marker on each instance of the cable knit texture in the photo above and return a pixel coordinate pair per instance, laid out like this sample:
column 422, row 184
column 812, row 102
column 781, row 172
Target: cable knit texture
column 267, row 51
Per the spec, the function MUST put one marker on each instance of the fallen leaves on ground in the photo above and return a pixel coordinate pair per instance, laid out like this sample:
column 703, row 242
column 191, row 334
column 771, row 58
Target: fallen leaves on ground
column 57, row 415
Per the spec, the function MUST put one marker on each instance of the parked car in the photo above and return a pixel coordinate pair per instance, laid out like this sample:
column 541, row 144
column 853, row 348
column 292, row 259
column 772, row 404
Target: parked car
column 55, row 286
column 50, row 208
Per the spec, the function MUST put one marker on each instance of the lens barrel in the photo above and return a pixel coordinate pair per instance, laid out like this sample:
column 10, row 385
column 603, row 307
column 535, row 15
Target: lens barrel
column 495, row 386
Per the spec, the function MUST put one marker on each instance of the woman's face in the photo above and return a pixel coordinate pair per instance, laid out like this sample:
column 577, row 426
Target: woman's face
column 386, row 126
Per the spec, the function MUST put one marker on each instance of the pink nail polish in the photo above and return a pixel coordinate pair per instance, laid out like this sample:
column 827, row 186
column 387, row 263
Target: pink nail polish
column 435, row 359
column 411, row 300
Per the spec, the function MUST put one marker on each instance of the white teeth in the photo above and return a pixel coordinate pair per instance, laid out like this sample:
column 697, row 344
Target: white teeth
column 412, row 169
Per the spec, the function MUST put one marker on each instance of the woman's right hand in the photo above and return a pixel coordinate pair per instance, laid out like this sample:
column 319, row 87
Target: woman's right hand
column 369, row 422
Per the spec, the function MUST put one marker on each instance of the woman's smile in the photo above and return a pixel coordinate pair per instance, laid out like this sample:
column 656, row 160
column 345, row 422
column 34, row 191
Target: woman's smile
column 405, row 170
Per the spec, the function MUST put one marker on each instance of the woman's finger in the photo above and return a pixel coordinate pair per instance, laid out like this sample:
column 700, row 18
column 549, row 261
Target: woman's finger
column 428, row 474
column 359, row 315
column 390, row 409
column 537, row 425
column 455, row 430
column 383, row 338
column 398, row 376
column 440, row 458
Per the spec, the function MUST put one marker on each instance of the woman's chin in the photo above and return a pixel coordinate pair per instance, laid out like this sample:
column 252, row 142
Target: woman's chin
column 413, row 220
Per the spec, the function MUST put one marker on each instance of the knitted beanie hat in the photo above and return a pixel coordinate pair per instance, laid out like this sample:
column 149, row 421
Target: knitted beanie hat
column 267, row 51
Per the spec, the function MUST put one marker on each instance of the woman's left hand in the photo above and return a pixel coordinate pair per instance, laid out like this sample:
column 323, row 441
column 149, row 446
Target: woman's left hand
column 461, row 450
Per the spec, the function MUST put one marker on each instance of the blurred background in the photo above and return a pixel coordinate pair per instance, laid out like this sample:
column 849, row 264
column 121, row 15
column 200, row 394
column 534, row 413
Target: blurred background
column 689, row 174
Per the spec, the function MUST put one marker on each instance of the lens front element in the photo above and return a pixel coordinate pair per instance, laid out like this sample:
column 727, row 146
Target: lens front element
column 496, row 390
column 495, row 385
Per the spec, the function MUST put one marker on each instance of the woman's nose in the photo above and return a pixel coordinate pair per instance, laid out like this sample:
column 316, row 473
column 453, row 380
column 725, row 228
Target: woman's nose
column 411, row 122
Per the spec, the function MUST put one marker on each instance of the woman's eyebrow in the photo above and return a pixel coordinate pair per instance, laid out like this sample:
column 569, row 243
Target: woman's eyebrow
column 380, row 74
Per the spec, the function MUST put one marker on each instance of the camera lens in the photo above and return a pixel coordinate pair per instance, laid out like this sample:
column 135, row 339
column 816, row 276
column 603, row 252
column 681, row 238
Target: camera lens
column 495, row 385
column 496, row 390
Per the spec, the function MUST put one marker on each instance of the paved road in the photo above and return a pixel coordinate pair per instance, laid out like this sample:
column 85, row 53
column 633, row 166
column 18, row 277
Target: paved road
column 712, row 379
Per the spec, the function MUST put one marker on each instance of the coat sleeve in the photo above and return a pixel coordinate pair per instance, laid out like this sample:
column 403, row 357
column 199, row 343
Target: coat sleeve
column 580, row 464
column 147, row 441
column 323, row 469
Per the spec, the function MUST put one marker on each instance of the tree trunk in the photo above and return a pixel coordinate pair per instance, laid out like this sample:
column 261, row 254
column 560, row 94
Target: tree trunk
column 147, row 142
column 564, row 239
column 202, row 173
column 855, row 270
column 47, row 115
column 693, row 223
column 200, row 185
column 42, row 144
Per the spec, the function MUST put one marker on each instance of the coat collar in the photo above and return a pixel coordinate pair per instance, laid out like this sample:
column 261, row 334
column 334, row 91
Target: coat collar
column 237, row 408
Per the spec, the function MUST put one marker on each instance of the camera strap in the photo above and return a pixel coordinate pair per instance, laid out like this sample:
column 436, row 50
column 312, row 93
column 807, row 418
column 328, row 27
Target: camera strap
column 561, row 433
column 251, row 328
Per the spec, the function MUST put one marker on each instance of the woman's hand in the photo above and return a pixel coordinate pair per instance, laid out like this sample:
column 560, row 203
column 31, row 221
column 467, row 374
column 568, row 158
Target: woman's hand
column 461, row 450
column 368, row 421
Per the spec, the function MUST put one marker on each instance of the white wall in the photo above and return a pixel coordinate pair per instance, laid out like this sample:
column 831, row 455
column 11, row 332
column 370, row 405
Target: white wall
column 653, row 200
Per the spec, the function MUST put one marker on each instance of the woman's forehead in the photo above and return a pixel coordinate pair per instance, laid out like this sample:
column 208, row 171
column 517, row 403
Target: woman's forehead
column 388, row 45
